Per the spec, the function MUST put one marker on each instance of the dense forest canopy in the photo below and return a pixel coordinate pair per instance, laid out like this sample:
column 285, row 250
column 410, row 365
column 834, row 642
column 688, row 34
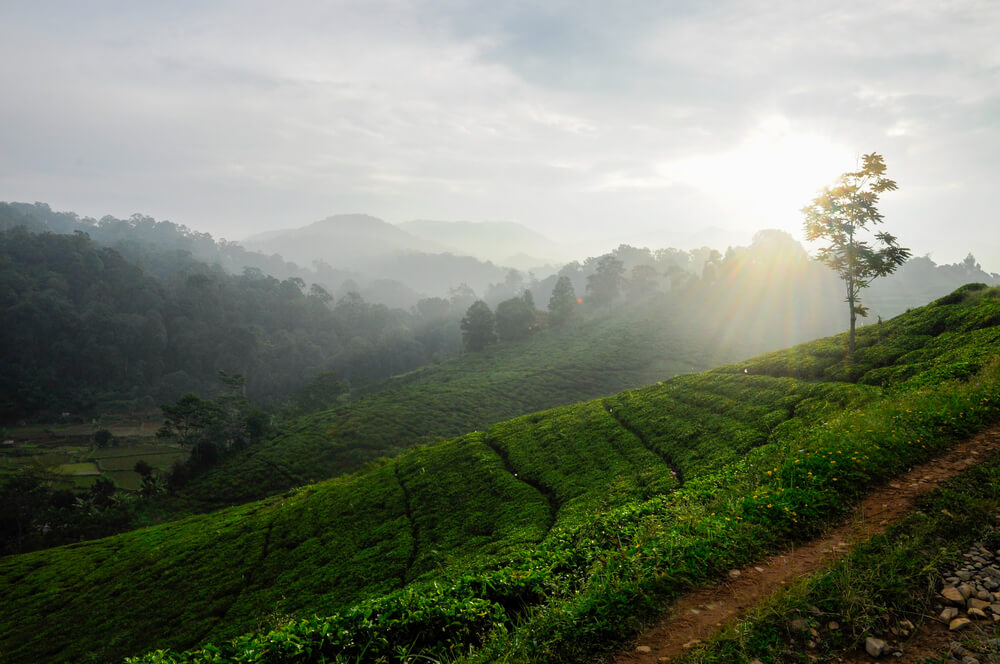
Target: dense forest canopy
column 84, row 326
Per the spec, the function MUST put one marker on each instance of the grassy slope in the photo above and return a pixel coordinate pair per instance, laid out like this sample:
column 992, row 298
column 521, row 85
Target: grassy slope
column 600, row 472
column 635, row 346
column 889, row 579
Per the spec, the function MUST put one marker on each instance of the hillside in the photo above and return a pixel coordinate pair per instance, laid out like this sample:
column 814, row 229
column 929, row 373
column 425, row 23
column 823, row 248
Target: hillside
column 635, row 346
column 544, row 538
column 344, row 240
column 496, row 241
column 377, row 250
column 88, row 329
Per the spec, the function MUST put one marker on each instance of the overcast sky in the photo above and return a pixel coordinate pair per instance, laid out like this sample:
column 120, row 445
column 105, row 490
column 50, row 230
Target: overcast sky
column 640, row 122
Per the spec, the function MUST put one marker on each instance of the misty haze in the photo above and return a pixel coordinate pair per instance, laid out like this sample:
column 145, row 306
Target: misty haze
column 399, row 332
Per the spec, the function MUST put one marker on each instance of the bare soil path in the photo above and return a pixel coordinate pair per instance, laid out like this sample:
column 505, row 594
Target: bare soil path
column 696, row 615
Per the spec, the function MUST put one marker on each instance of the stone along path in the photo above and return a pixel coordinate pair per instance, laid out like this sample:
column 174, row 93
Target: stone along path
column 697, row 614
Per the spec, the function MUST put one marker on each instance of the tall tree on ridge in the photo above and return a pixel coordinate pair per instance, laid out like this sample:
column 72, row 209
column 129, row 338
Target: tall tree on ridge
column 562, row 304
column 838, row 214
column 478, row 326
column 605, row 284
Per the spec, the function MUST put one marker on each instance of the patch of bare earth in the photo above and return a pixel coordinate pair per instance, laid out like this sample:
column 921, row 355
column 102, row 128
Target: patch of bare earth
column 699, row 613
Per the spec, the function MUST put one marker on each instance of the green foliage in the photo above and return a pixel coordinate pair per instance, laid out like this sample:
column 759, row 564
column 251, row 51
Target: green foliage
column 478, row 326
column 582, row 459
column 562, row 304
column 103, row 438
column 86, row 327
column 891, row 578
column 604, row 285
column 600, row 356
column 466, row 524
column 515, row 318
column 841, row 211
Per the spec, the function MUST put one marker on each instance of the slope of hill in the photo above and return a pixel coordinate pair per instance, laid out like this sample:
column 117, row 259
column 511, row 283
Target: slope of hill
column 635, row 346
column 495, row 241
column 539, row 539
column 378, row 250
column 344, row 240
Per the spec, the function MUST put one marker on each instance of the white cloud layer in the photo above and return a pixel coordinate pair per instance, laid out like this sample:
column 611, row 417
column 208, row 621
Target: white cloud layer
column 635, row 122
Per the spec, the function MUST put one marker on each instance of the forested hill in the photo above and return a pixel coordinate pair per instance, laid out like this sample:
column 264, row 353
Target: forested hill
column 86, row 328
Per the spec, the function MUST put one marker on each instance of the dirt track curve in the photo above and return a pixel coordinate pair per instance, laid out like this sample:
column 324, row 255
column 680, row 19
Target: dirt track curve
column 697, row 614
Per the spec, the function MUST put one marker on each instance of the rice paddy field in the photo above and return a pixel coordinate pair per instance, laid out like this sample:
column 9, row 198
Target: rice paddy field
column 70, row 455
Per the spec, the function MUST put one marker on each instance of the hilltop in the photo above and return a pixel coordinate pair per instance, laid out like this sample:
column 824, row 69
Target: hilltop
column 542, row 538
column 502, row 242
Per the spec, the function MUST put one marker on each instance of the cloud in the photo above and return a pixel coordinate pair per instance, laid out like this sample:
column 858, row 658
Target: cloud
column 574, row 117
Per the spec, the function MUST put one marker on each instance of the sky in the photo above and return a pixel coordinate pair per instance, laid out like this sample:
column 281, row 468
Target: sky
column 651, row 123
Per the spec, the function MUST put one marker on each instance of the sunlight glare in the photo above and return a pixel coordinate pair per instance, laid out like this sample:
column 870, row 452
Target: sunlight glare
column 770, row 176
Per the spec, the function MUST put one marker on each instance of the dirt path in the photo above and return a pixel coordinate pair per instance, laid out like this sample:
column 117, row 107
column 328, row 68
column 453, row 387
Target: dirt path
column 700, row 612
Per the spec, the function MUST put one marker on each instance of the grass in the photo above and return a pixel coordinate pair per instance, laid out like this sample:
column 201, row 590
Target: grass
column 79, row 463
column 85, row 468
column 890, row 579
column 546, row 538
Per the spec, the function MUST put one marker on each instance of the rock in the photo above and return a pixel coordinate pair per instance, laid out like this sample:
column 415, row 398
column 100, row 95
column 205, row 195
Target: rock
column 906, row 626
column 958, row 624
column 995, row 608
column 966, row 590
column 949, row 613
column 984, row 595
column 798, row 625
column 875, row 647
column 833, row 625
column 953, row 596
column 963, row 575
column 977, row 614
column 691, row 644
column 643, row 649
column 977, row 604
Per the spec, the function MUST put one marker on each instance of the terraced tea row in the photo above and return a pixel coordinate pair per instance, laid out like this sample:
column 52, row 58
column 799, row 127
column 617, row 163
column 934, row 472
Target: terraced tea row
column 596, row 358
column 438, row 509
column 554, row 529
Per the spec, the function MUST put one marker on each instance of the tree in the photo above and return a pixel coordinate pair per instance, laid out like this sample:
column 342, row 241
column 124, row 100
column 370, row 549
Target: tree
column 515, row 318
column 643, row 282
column 605, row 284
column 478, row 326
column 562, row 304
column 103, row 437
column 837, row 215
column 143, row 468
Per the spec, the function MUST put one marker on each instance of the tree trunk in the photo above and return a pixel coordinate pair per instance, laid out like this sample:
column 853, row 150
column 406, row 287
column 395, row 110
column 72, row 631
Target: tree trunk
column 850, row 344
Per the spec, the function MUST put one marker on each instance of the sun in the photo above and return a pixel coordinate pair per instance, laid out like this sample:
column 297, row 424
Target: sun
column 766, row 179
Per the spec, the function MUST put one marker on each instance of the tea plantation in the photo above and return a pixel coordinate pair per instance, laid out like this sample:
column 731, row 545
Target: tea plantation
column 635, row 346
column 545, row 538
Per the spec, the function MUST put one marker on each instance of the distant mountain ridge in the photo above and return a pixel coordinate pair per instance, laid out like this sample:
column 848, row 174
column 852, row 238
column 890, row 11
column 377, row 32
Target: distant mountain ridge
column 347, row 241
column 503, row 242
